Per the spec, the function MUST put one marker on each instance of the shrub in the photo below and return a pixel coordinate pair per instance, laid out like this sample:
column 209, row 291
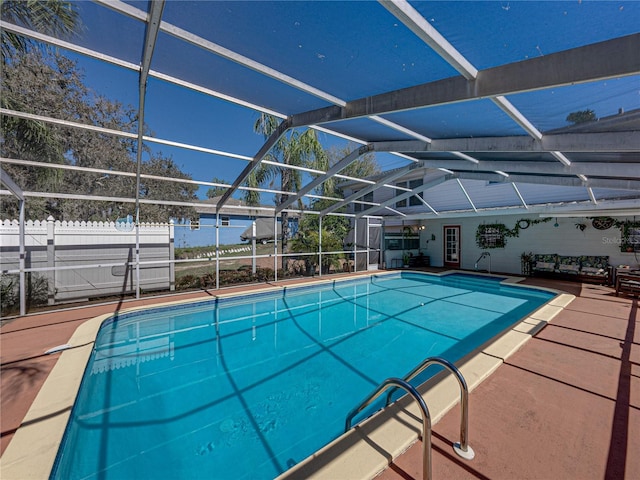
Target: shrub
column 36, row 295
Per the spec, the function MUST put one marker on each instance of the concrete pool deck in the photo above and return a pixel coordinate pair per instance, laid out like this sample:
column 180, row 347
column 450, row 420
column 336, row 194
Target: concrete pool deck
column 564, row 406
column 591, row 325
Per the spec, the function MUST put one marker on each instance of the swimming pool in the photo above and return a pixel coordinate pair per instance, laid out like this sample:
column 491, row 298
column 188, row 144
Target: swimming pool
column 248, row 387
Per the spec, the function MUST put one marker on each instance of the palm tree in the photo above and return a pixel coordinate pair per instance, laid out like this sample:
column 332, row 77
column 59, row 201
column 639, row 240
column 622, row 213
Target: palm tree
column 301, row 149
column 57, row 18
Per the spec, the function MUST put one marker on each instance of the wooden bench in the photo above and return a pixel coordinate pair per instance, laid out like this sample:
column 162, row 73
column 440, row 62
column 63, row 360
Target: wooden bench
column 628, row 283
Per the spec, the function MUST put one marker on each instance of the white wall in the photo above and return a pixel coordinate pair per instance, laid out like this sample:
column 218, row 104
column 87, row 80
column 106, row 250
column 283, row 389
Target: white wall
column 565, row 239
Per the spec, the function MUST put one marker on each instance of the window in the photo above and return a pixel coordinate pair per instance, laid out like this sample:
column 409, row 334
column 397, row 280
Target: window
column 396, row 241
column 414, row 200
column 393, row 243
column 225, row 221
column 360, row 207
column 401, row 203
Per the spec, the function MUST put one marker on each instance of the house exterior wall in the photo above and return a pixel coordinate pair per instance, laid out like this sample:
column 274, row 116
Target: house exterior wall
column 542, row 238
column 205, row 235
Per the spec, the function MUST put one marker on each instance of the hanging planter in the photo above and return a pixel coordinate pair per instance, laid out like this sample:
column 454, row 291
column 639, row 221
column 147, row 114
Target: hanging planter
column 492, row 235
column 630, row 235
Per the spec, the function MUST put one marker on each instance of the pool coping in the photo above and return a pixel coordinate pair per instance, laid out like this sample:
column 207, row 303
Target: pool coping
column 361, row 453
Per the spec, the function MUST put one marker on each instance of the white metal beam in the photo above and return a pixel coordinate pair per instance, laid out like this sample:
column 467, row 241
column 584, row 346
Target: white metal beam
column 397, row 212
column 343, row 163
column 427, row 204
column 410, row 193
column 271, row 141
column 7, row 181
column 104, row 171
column 600, row 61
column 221, row 51
column 515, row 187
column 399, row 128
column 389, row 177
column 626, row 141
column 466, row 194
column 153, row 19
column 404, row 12
column 598, row 169
column 507, row 107
column 72, row 47
column 613, row 208
column 566, row 181
column 418, row 24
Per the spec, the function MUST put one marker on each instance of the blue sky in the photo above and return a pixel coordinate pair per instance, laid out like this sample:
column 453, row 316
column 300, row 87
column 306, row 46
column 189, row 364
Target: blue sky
column 181, row 115
column 382, row 55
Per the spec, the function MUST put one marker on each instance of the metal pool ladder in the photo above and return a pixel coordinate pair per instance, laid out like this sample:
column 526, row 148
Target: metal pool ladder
column 484, row 255
column 462, row 448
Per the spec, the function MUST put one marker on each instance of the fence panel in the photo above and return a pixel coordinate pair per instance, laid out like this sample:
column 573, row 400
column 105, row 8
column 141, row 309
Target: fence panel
column 58, row 244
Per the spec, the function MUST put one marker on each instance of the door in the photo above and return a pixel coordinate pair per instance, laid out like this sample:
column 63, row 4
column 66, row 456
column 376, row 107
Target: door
column 451, row 237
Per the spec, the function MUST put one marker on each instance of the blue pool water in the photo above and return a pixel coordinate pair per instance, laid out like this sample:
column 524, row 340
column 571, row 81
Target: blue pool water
column 248, row 387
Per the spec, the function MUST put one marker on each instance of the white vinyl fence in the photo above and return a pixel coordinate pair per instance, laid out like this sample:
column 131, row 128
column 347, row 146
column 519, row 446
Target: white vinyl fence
column 83, row 260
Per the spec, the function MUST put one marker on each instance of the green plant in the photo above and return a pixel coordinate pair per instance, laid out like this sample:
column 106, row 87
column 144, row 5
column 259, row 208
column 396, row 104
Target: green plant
column 581, row 116
column 36, row 294
column 495, row 235
column 630, row 234
column 8, row 294
column 526, row 257
column 492, row 235
column 405, row 259
column 308, row 242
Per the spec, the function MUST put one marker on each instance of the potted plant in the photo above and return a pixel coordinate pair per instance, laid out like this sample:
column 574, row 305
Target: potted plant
column 405, row 260
column 526, row 259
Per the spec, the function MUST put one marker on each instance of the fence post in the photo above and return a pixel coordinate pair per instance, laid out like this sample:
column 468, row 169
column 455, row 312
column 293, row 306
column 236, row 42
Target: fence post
column 275, row 248
column 253, row 247
column 368, row 246
column 355, row 245
column 51, row 260
column 172, row 257
column 217, row 250
column 320, row 245
column 22, row 260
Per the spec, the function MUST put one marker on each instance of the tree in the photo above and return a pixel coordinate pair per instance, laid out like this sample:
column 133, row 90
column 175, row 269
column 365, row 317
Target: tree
column 216, row 191
column 307, row 240
column 365, row 166
column 52, row 85
column 52, row 17
column 301, row 149
column 581, row 116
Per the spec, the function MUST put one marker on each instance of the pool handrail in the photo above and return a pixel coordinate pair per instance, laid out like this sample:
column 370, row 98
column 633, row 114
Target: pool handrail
column 462, row 448
column 426, row 417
